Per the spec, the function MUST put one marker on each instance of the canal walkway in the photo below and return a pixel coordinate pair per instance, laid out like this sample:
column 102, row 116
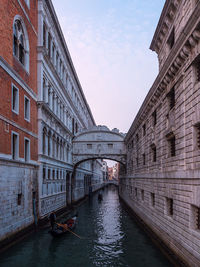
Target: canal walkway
column 109, row 238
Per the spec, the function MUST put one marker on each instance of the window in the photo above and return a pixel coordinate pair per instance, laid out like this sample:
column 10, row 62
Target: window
column 142, row 194
column 154, row 153
column 171, row 39
column 154, row 116
column 169, row 206
column 49, row 44
column 135, row 192
column 171, row 98
column 197, row 132
column 152, row 199
column 49, row 173
column 110, row 146
column 73, row 124
column 26, row 108
column 26, row 149
column 19, row 199
column 144, row 129
column 172, row 144
column 15, row 146
column 195, row 217
column 20, row 42
column 53, row 53
column 44, row 173
column 44, row 35
column 15, row 99
column 89, row 146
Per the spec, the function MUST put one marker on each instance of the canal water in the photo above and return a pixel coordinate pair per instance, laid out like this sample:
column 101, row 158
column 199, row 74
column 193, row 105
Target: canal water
column 109, row 238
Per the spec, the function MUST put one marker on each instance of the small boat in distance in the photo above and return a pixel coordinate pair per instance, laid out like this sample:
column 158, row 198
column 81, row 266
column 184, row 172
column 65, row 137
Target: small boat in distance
column 100, row 197
column 58, row 229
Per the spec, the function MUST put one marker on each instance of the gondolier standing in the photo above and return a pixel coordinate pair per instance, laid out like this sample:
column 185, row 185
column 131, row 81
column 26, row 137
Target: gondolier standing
column 52, row 218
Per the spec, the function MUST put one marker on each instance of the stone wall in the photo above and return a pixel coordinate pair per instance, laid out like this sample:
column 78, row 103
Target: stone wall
column 17, row 184
column 163, row 149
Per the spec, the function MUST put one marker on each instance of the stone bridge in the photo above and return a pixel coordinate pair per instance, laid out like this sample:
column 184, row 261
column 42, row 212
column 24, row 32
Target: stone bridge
column 99, row 142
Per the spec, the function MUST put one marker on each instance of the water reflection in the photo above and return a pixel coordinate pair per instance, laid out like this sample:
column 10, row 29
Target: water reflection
column 110, row 239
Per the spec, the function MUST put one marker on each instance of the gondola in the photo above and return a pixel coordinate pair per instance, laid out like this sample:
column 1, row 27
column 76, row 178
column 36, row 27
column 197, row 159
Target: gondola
column 59, row 229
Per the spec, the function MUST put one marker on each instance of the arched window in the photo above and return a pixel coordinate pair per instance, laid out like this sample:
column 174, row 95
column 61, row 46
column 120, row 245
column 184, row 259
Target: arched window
column 49, row 143
column 44, row 134
column 20, row 42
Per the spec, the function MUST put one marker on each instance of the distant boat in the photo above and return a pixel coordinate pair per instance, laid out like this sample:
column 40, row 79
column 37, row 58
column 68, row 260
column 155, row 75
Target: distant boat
column 100, row 197
column 59, row 229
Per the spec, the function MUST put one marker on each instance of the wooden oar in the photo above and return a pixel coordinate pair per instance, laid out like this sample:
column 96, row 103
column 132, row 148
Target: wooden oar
column 67, row 228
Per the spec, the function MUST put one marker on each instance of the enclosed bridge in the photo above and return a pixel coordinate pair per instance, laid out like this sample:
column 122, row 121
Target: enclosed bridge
column 99, row 142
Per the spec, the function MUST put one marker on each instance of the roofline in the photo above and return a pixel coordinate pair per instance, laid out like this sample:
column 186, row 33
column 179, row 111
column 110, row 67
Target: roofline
column 160, row 22
column 62, row 39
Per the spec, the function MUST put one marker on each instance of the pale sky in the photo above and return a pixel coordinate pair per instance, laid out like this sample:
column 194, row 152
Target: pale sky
column 109, row 44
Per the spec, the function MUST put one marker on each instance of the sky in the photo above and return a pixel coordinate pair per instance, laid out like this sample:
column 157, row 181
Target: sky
column 109, row 42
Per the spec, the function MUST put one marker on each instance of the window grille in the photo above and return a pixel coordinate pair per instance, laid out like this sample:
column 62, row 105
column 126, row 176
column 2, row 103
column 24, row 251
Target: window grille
column 198, row 134
column 170, row 209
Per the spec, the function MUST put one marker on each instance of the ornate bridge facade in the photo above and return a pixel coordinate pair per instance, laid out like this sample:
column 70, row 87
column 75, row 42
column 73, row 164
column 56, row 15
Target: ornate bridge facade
column 99, row 143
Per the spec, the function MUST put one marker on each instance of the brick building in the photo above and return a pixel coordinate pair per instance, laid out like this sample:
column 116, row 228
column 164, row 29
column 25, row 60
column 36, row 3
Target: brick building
column 18, row 115
column 162, row 185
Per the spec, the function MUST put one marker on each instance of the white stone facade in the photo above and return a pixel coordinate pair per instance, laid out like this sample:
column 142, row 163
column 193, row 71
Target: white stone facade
column 163, row 150
column 62, row 112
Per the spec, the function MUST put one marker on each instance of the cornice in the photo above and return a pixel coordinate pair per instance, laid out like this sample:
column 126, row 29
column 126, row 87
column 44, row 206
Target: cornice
column 164, row 24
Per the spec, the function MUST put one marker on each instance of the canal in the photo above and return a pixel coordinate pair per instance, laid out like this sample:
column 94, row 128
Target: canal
column 109, row 237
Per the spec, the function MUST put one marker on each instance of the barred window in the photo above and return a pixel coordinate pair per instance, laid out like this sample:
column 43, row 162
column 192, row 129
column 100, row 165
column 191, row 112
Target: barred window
column 172, row 144
column 154, row 153
column 169, row 206
column 195, row 217
column 198, row 135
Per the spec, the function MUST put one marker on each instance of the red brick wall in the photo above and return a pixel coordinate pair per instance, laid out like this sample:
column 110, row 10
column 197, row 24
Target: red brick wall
column 8, row 11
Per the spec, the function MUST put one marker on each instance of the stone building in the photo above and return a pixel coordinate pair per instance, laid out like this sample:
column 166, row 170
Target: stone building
column 62, row 113
column 18, row 115
column 162, row 185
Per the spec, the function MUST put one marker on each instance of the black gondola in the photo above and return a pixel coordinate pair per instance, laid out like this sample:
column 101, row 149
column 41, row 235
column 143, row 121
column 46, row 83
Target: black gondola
column 59, row 229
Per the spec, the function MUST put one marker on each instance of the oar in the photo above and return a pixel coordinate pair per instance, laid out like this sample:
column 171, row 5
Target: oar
column 66, row 228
